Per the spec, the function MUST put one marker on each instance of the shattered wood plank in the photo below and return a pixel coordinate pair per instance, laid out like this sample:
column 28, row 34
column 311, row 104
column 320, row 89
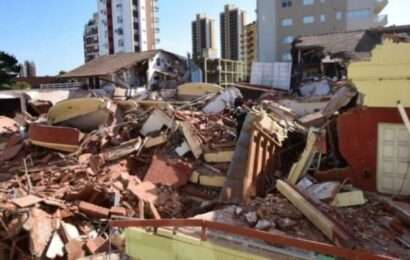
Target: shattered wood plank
column 191, row 139
column 156, row 141
column 154, row 211
column 349, row 199
column 299, row 168
column 233, row 188
column 219, row 156
column 341, row 98
column 27, row 201
column 122, row 150
column 141, row 206
column 315, row 216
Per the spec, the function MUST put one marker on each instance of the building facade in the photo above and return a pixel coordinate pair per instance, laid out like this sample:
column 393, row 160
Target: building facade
column 203, row 37
column 127, row 25
column 91, row 47
column 250, row 45
column 281, row 21
column 28, row 69
column 222, row 71
column 232, row 23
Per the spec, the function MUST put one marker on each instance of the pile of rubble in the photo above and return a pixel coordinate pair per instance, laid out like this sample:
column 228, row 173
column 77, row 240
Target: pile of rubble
column 77, row 165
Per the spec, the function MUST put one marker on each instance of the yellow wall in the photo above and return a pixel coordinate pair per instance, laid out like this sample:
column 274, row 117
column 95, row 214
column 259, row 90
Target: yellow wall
column 142, row 245
column 384, row 79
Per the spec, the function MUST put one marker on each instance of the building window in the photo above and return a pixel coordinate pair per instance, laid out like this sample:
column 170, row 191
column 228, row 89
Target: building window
column 358, row 14
column 286, row 3
column 119, row 19
column 339, row 16
column 120, row 31
column 308, row 19
column 308, row 2
column 322, row 18
column 288, row 39
column 121, row 43
column 119, row 6
column 286, row 57
column 287, row 22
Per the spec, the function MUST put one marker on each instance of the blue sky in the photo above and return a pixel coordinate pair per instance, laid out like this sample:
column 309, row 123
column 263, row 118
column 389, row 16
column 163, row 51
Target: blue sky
column 49, row 32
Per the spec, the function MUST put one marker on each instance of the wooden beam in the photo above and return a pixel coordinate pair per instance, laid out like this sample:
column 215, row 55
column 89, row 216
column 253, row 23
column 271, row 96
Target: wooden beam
column 316, row 217
column 299, row 168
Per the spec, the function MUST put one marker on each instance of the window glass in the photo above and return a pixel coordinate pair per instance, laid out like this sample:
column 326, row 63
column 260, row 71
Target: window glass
column 308, row 19
column 287, row 22
column 308, row 2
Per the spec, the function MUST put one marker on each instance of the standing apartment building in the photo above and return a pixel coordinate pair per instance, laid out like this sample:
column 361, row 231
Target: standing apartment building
column 232, row 23
column 127, row 25
column 203, row 38
column 280, row 21
column 91, row 47
column 250, row 45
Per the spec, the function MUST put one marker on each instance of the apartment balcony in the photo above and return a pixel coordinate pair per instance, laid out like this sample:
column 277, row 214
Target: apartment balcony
column 379, row 5
column 381, row 20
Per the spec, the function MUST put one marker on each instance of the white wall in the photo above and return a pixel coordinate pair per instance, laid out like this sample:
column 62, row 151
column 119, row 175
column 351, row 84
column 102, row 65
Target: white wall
column 143, row 25
column 125, row 12
column 267, row 32
column 102, row 28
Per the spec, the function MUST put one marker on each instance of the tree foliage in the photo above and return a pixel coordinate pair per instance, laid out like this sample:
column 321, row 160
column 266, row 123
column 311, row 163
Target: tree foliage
column 9, row 68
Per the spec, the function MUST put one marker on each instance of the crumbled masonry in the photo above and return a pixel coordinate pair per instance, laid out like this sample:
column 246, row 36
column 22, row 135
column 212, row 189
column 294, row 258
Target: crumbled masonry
column 247, row 156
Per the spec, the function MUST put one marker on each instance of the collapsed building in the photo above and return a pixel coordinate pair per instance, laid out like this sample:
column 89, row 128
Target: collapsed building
column 244, row 172
column 154, row 70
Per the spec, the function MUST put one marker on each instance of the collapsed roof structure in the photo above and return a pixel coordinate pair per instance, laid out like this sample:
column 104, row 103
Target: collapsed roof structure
column 300, row 174
column 153, row 69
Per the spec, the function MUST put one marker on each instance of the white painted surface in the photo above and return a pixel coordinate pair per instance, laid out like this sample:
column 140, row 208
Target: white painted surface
column 267, row 30
column 393, row 176
column 276, row 75
column 225, row 99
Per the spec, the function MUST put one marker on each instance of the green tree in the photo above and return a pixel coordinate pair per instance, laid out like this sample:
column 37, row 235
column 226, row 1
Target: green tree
column 20, row 85
column 9, row 69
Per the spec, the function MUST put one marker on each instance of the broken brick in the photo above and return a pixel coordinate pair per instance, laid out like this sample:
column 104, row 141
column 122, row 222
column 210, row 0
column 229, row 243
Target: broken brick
column 26, row 201
column 169, row 173
column 118, row 211
column 97, row 245
column 74, row 249
column 93, row 210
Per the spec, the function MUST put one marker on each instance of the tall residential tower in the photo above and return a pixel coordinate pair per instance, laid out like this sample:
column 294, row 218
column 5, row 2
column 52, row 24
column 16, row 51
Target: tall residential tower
column 232, row 22
column 127, row 25
column 91, row 46
column 203, row 37
column 280, row 21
